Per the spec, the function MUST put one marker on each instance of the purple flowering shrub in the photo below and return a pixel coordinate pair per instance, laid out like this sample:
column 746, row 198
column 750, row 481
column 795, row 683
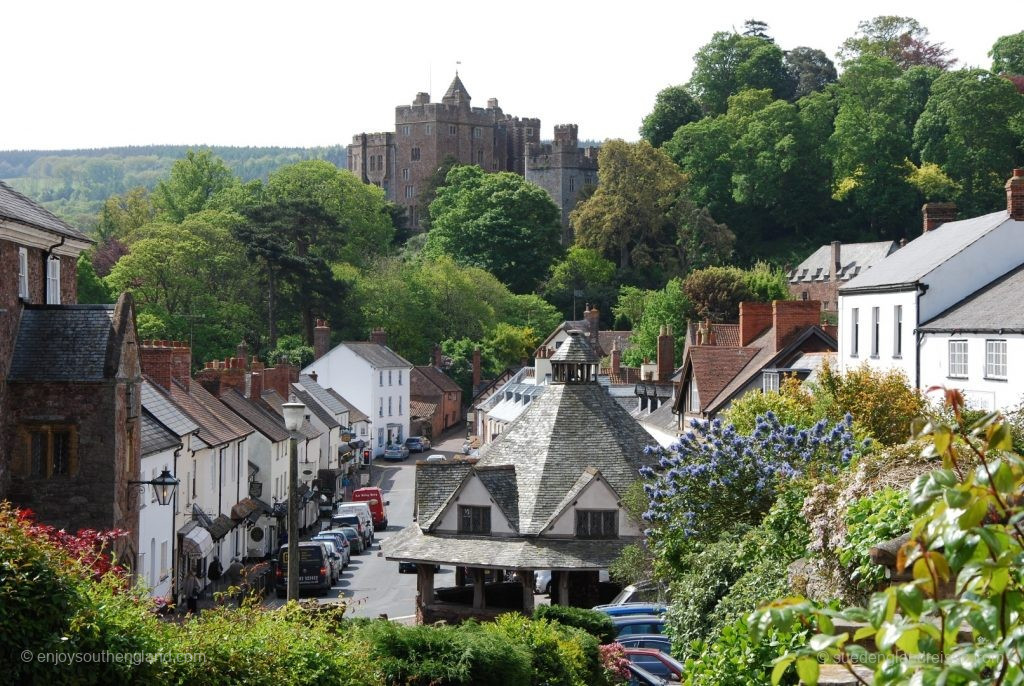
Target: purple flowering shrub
column 715, row 477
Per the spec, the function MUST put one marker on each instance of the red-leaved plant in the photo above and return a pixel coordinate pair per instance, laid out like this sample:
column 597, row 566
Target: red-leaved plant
column 93, row 549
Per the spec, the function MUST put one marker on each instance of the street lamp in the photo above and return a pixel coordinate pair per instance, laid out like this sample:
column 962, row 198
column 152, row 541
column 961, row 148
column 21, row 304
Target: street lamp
column 293, row 416
column 163, row 487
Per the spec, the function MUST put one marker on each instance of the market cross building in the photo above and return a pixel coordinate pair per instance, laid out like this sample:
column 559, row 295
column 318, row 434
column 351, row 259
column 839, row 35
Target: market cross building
column 545, row 495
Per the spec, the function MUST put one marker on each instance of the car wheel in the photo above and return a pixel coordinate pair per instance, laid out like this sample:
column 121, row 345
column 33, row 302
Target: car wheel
column 384, row 525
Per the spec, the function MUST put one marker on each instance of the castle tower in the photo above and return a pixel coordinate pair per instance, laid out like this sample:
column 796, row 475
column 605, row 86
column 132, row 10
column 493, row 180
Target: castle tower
column 563, row 169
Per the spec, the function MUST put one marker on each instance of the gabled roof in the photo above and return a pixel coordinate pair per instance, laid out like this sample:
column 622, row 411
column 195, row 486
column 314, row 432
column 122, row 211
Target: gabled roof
column 663, row 418
column 715, row 366
column 908, row 265
column 165, row 411
column 421, row 409
column 313, row 406
column 576, row 349
column 854, row 259
column 354, row 413
column 435, row 481
column 429, row 381
column 605, row 340
column 217, row 424
column 500, row 482
column 377, row 355
column 724, row 334
column 998, row 307
column 154, row 436
column 263, row 420
column 63, row 343
column 585, row 479
column 320, row 394
column 17, row 207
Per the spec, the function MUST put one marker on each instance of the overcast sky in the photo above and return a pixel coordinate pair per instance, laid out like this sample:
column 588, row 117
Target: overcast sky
column 299, row 73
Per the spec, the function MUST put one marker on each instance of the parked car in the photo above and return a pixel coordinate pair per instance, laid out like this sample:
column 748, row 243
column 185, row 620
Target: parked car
column 314, row 568
column 361, row 510
column 335, row 557
column 374, row 497
column 626, row 609
column 638, row 676
column 656, row 662
column 356, row 522
column 656, row 641
column 417, row 444
column 354, row 538
column 396, row 452
column 638, row 624
column 642, row 591
column 340, row 542
column 436, row 458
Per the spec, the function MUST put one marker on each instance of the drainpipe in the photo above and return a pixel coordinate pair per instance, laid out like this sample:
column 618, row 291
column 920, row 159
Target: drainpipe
column 922, row 288
column 174, row 531
column 46, row 265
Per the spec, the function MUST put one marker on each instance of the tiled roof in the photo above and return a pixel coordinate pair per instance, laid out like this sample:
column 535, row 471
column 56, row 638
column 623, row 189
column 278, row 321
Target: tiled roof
column 378, row 355
column 715, row 366
column 354, row 413
column 421, row 409
column 575, row 349
column 435, row 482
column 154, row 436
column 320, row 394
column 217, row 424
column 19, row 208
column 430, row 381
column 313, row 406
column 561, row 433
column 62, row 343
column 263, row 420
column 497, row 552
column 627, row 376
column 997, row 306
column 920, row 256
column 165, row 411
column 500, row 482
column 854, row 259
column 725, row 334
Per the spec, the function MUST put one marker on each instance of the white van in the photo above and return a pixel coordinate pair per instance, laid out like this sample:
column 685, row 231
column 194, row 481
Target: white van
column 362, row 510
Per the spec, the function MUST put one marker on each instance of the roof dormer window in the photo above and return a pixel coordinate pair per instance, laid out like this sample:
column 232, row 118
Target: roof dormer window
column 474, row 520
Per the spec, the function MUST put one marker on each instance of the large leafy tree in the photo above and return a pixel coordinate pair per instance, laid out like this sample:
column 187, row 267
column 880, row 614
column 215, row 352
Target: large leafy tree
column 641, row 216
column 1007, row 54
column 809, row 69
column 900, row 39
column 668, row 305
column 498, row 222
column 730, row 63
column 582, row 276
column 967, row 128
column 673, row 107
column 198, row 181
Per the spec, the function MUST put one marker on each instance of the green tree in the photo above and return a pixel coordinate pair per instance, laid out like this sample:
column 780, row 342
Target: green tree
column 498, row 222
column 531, row 311
column 666, row 306
column 512, row 344
column 122, row 214
column 585, row 272
column 967, row 128
column 91, row 289
column 197, row 182
column 428, row 189
column 809, row 69
column 730, row 63
column 1007, row 54
column 716, row 293
column 673, row 107
column 640, row 215
column 903, row 40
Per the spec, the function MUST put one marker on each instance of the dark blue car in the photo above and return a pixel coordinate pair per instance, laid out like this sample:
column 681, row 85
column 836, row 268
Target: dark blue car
column 638, row 624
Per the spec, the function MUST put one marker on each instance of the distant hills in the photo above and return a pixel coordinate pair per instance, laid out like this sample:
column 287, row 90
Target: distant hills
column 74, row 183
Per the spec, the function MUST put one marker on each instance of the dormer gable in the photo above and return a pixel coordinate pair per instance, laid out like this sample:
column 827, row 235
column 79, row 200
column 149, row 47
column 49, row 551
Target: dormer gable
column 473, row 492
column 591, row 494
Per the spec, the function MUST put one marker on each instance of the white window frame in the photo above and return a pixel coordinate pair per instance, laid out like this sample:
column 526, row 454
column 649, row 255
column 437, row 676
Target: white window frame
column 958, row 361
column 897, row 326
column 53, row 280
column 876, row 330
column 380, row 408
column 995, row 358
column 769, row 382
column 23, row 273
column 389, row 406
column 854, row 331
column 694, row 397
column 380, row 438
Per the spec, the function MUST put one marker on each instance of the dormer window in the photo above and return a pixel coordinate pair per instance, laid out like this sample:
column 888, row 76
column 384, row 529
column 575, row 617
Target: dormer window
column 474, row 520
column 597, row 523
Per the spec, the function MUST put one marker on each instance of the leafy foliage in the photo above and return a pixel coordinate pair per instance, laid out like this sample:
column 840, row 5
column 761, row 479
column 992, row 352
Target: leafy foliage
column 597, row 624
column 735, row 658
column 91, row 289
column 667, row 306
column 673, row 107
column 730, row 63
column 900, row 39
column 561, row 655
column 1007, row 54
column 791, row 405
column 879, row 517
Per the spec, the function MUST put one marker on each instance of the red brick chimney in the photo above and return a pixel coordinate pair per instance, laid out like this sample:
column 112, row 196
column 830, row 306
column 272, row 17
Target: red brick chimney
column 755, row 318
column 1015, row 195
column 593, row 319
column 155, row 360
column 666, row 353
column 936, row 214
column 256, row 385
column 476, row 369
column 379, row 336
column 181, row 362
column 321, row 339
column 616, row 357
column 793, row 316
column 242, row 353
column 437, row 356
column 280, row 378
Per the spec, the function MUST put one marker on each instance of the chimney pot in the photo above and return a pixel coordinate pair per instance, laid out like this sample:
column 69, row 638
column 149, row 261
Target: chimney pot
column 1015, row 195
column 321, row 339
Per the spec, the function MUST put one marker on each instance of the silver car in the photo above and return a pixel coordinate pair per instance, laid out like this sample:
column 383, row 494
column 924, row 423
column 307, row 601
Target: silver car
column 340, row 542
column 337, row 563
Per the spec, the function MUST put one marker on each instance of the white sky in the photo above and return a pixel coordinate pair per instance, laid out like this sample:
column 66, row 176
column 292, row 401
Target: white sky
column 93, row 74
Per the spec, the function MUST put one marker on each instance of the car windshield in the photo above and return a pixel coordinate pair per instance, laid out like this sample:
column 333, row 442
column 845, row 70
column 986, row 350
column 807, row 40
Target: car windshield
column 350, row 532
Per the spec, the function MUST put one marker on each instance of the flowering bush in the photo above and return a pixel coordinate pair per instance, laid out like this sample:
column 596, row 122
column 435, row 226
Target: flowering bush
column 93, row 549
column 614, row 663
column 714, row 477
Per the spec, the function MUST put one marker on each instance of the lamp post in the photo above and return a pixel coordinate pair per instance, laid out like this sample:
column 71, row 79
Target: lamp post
column 293, row 415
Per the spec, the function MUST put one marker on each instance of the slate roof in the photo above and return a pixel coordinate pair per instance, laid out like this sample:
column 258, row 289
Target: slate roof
column 500, row 482
column 320, row 394
column 154, row 436
column 498, row 552
column 354, row 413
column 163, row 409
column 575, row 349
column 998, row 306
column 429, row 380
column 456, row 91
column 19, row 208
column 378, row 355
column 263, row 420
column 919, row 257
column 63, row 343
column 435, row 482
column 217, row 424
column 313, row 406
column 582, row 482
column 663, row 418
column 854, row 259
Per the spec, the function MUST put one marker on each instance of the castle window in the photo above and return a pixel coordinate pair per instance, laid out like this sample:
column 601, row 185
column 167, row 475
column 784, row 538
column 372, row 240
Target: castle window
column 474, row 520
column 409, row 192
column 451, row 129
column 406, row 130
column 380, row 162
column 405, row 174
column 373, row 162
column 430, row 128
column 572, row 184
column 414, row 154
column 50, row 450
column 597, row 524
column 529, row 130
column 477, row 132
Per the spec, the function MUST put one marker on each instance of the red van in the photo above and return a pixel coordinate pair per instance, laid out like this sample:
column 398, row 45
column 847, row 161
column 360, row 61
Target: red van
column 374, row 497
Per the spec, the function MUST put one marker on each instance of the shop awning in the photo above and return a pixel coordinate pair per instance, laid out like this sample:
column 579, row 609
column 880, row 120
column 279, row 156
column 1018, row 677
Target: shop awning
column 197, row 543
column 221, row 527
column 250, row 509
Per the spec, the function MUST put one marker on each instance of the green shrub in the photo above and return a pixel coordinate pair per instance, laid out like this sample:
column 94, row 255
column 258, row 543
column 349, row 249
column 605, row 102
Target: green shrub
column 735, row 658
column 419, row 655
column 878, row 517
column 597, row 624
column 792, row 405
column 560, row 655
